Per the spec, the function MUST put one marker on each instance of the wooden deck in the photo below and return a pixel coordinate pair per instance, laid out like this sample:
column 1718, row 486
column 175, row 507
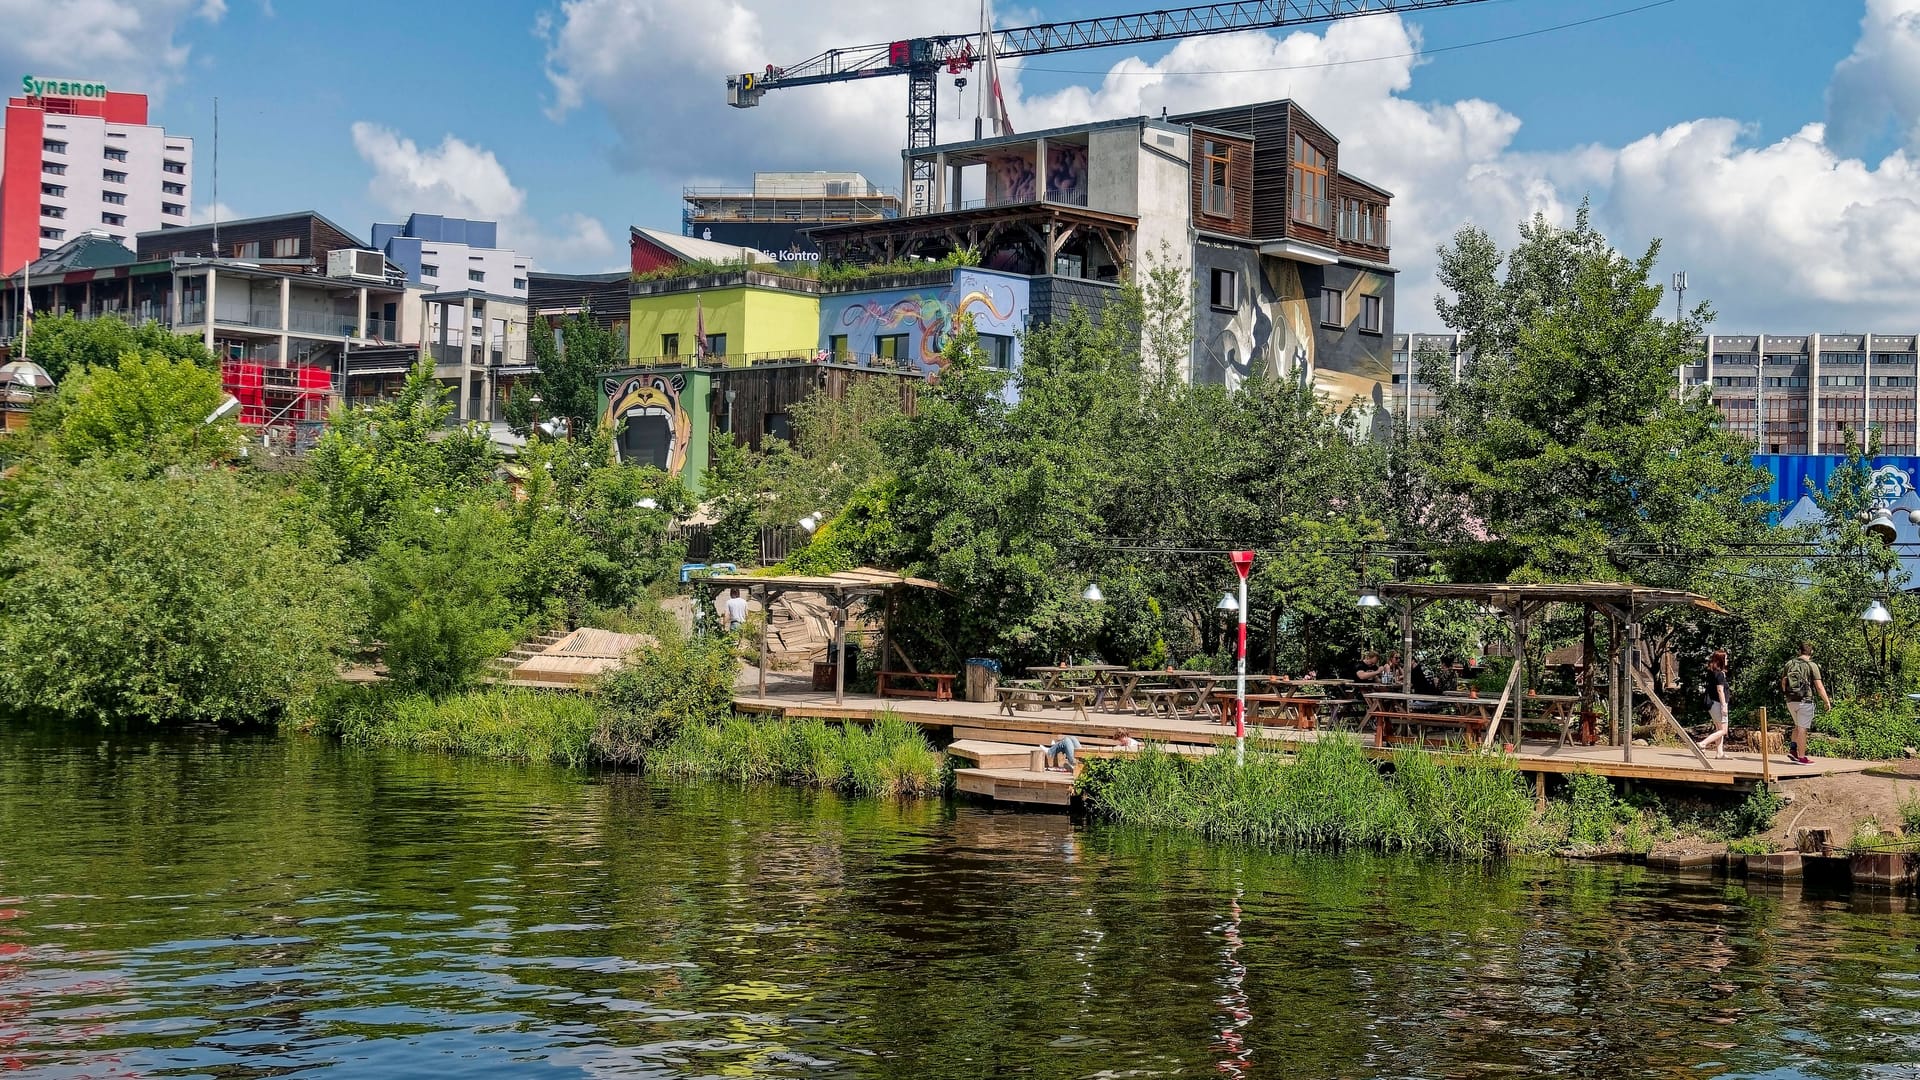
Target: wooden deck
column 1000, row 744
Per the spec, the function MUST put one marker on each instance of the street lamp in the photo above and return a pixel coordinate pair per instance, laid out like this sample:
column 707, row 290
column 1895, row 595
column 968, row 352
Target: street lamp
column 1227, row 604
column 226, row 408
column 1093, row 595
column 1876, row 613
column 1243, row 566
column 811, row 523
column 648, row 503
column 1370, row 598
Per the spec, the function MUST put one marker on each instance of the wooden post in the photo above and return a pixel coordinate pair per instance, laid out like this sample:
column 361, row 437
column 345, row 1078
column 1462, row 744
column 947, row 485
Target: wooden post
column 1540, row 791
column 766, row 616
column 839, row 650
column 1626, row 681
column 1766, row 763
column 1521, row 615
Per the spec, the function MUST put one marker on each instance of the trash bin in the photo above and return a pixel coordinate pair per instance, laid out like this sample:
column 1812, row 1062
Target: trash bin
column 983, row 679
column 853, row 658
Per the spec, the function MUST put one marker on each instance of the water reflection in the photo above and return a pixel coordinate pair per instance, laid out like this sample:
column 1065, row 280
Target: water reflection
column 262, row 907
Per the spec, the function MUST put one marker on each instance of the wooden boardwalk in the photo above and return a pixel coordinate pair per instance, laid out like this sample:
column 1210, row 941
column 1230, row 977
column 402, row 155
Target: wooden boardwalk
column 997, row 743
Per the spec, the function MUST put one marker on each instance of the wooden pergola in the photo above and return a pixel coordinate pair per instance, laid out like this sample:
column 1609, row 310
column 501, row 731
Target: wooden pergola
column 840, row 590
column 1623, row 606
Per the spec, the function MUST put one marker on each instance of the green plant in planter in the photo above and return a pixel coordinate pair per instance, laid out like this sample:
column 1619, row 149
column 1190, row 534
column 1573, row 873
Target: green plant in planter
column 1751, row 845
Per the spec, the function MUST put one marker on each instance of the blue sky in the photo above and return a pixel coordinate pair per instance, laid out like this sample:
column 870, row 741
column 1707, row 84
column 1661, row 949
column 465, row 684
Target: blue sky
column 572, row 120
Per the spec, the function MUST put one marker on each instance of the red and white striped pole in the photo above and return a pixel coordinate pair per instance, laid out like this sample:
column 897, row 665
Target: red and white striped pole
column 1242, row 565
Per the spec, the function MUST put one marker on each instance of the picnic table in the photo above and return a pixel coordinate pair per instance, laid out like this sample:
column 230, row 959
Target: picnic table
column 1124, row 686
column 1176, row 702
column 1054, row 676
column 1423, row 712
column 1027, row 696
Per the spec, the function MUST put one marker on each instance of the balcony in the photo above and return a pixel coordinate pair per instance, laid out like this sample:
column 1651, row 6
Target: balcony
column 383, row 329
column 266, row 318
column 1313, row 213
column 325, row 323
column 1366, row 229
column 193, row 313
column 781, row 356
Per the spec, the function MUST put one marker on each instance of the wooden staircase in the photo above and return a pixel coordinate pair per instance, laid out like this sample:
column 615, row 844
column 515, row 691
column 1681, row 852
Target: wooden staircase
column 501, row 667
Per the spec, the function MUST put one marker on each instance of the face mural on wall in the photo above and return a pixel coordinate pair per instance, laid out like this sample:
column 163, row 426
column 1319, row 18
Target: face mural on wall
column 932, row 315
column 1345, row 366
column 650, row 427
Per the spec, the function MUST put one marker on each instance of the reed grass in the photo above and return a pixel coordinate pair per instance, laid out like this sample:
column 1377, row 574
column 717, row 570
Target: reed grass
column 506, row 725
column 1328, row 796
column 890, row 757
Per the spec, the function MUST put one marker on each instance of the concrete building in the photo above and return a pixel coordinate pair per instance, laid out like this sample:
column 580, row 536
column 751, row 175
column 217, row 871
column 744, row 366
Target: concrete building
column 79, row 158
column 775, row 214
column 449, row 254
column 1287, row 253
column 1792, row 394
column 747, row 316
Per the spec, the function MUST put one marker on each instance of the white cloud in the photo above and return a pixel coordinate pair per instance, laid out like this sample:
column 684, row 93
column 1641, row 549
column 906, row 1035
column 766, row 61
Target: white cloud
column 203, row 213
column 132, row 43
column 1800, row 233
column 460, row 179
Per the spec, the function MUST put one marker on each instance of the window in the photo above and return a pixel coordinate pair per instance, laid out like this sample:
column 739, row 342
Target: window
column 716, row 344
column 247, row 250
column 117, row 198
column 999, row 351
column 174, row 167
column 53, row 146
column 53, row 234
column 173, row 189
column 890, row 347
column 669, row 344
column 1223, row 289
column 172, row 209
column 1331, row 313
column 112, row 177
column 837, row 347
column 520, row 283
column 1218, row 196
column 1370, row 314
column 1310, row 169
column 1843, row 358
column 53, row 168
column 429, row 270
column 53, row 211
column 476, row 275
column 286, row 247
column 113, row 219
column 777, row 425
column 113, row 154
column 58, row 191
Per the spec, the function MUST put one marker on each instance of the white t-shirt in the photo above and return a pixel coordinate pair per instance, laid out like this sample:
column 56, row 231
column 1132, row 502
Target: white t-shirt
column 736, row 610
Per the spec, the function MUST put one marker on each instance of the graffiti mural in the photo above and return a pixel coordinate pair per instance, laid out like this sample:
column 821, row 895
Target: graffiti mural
column 869, row 325
column 1012, row 178
column 650, row 427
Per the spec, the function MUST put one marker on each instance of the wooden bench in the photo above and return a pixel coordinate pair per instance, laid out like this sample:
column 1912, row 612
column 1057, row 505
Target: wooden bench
column 942, row 685
column 1473, row 727
column 1034, row 697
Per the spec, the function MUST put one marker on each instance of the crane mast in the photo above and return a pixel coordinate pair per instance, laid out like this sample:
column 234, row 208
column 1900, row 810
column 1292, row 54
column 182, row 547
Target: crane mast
column 923, row 59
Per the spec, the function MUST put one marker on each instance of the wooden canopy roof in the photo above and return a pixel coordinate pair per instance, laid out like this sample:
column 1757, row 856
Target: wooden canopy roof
column 845, row 582
column 1619, row 594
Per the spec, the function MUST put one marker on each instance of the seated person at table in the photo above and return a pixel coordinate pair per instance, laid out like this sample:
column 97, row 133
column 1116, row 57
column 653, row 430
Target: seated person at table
column 1371, row 670
column 1434, row 679
column 1063, row 747
column 1124, row 740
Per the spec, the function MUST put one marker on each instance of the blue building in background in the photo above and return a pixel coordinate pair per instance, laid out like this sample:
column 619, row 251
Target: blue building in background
column 450, row 254
column 1797, row 476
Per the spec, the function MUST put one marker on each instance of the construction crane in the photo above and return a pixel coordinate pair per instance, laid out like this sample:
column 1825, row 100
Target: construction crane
column 922, row 59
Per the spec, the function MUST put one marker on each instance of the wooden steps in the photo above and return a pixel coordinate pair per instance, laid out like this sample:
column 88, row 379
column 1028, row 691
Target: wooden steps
column 1021, row 785
column 994, row 755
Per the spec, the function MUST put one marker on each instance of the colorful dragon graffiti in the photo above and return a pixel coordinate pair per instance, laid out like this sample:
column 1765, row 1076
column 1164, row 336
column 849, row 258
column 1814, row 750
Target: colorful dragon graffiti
column 930, row 314
column 650, row 426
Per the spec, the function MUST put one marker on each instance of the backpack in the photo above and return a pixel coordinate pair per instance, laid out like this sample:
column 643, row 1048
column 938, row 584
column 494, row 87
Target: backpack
column 1797, row 680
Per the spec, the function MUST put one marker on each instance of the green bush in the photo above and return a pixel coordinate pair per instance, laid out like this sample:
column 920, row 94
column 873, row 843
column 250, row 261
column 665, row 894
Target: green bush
column 1752, row 845
column 1754, row 815
column 1329, row 795
column 680, row 681
column 890, row 757
column 507, row 725
column 1910, row 815
column 1592, row 811
column 1867, row 728
column 439, row 595
column 182, row 598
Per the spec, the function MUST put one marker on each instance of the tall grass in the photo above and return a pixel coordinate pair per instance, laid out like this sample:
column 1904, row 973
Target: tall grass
column 1329, row 795
column 508, row 725
column 891, row 757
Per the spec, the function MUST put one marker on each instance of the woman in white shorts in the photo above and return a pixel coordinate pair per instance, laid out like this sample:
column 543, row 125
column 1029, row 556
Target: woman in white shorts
column 1717, row 702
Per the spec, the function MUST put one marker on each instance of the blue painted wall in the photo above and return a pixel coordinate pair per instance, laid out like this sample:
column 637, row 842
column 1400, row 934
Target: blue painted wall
column 1794, row 475
column 925, row 314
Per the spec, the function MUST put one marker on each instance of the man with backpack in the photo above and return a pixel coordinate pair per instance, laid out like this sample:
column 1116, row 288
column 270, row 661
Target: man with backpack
column 1800, row 682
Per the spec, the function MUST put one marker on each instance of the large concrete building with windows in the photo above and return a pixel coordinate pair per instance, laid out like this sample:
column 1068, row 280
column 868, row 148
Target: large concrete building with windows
column 449, row 254
column 1789, row 393
column 82, row 158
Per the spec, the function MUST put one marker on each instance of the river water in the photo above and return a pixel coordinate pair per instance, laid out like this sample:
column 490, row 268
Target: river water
column 227, row 907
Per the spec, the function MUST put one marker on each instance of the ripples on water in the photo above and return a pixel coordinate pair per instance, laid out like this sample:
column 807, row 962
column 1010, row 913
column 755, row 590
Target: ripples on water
column 264, row 907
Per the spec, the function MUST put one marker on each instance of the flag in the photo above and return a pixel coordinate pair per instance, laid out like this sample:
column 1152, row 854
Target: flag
column 699, row 332
column 996, row 110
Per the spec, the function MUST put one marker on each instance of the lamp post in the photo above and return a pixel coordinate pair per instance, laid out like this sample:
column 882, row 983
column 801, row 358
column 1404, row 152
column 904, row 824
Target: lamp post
column 1242, row 565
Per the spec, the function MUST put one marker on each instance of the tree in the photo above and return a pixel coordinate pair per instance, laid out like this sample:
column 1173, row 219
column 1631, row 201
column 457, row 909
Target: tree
column 1564, row 437
column 65, row 343
column 149, row 406
column 440, row 585
column 370, row 462
column 571, row 358
column 177, row 598
column 839, row 448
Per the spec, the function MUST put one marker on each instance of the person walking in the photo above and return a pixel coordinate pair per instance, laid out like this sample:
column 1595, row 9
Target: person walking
column 1800, row 681
column 1717, row 702
column 734, row 612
